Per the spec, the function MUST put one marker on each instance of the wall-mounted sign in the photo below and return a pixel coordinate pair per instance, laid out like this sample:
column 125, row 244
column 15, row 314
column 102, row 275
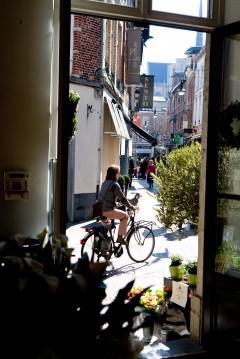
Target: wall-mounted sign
column 176, row 138
column 146, row 97
column 134, row 55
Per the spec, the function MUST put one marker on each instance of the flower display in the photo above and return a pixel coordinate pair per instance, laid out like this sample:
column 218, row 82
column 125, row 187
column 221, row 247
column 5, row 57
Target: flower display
column 149, row 300
column 134, row 291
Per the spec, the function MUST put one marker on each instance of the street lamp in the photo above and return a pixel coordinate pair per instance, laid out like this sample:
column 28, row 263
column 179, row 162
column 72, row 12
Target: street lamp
column 146, row 126
column 181, row 91
column 137, row 94
column 159, row 137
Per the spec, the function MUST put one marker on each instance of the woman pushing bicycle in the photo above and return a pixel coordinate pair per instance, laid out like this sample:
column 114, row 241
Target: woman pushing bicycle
column 109, row 194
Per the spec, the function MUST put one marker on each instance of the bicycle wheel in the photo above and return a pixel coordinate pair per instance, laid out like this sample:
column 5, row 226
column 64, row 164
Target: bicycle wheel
column 91, row 247
column 141, row 243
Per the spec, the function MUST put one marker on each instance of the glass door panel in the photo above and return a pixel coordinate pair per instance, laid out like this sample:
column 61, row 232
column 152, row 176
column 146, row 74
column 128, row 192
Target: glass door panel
column 228, row 166
column 228, row 253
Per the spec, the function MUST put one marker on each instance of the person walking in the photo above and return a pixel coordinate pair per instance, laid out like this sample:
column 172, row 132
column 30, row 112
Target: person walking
column 151, row 168
column 109, row 193
column 130, row 170
column 142, row 169
column 164, row 158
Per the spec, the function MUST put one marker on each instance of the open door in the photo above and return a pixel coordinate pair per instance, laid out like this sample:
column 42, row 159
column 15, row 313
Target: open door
column 221, row 284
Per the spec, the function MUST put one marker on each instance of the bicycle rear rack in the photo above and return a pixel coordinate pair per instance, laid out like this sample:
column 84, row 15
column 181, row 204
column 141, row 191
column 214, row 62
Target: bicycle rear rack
column 144, row 222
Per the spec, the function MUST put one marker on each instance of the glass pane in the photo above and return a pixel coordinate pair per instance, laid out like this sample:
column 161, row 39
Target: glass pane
column 229, row 170
column 231, row 70
column 228, row 177
column 228, row 253
column 229, row 121
column 199, row 8
column 129, row 3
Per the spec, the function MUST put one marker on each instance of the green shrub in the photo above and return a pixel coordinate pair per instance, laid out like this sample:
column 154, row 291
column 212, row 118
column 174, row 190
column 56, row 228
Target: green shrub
column 124, row 181
column 121, row 182
column 178, row 185
column 72, row 111
column 127, row 179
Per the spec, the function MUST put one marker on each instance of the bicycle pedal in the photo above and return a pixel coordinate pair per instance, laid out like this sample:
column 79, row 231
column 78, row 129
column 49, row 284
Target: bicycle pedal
column 105, row 254
column 118, row 251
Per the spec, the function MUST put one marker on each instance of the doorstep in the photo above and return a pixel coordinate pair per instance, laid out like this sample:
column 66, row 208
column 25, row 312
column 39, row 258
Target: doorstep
column 175, row 343
column 180, row 348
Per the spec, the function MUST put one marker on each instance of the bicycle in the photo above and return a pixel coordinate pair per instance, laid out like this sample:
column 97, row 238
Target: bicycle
column 99, row 242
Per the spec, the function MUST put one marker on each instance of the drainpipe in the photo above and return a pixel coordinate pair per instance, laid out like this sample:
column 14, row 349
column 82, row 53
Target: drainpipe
column 99, row 169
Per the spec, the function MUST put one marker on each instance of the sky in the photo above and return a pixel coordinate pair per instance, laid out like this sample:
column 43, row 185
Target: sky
column 168, row 43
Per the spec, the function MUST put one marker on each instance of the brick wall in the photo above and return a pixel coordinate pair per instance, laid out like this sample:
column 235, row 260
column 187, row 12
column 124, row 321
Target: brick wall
column 86, row 47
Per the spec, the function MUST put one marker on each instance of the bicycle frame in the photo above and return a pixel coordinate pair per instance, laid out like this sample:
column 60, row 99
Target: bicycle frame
column 133, row 224
column 107, row 231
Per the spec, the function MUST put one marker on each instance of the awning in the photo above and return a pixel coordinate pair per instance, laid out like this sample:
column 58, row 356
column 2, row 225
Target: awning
column 143, row 134
column 118, row 120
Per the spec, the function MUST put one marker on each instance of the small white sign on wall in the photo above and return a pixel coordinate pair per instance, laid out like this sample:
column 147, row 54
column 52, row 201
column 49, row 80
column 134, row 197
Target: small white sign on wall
column 179, row 293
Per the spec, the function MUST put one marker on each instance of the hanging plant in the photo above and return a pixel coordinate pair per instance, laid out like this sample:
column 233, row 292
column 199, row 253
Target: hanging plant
column 229, row 125
column 72, row 111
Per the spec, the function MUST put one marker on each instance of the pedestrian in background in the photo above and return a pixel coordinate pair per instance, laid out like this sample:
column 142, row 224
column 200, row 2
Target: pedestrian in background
column 130, row 169
column 164, row 159
column 142, row 168
column 151, row 169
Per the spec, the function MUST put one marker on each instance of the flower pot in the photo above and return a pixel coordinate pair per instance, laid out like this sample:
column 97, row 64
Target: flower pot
column 176, row 272
column 148, row 325
column 192, row 280
column 167, row 333
column 161, row 312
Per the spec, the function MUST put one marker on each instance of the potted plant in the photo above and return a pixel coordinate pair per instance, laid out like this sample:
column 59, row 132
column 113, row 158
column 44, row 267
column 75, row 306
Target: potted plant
column 176, row 267
column 121, row 182
column 124, row 182
column 127, row 181
column 191, row 269
column 40, row 285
